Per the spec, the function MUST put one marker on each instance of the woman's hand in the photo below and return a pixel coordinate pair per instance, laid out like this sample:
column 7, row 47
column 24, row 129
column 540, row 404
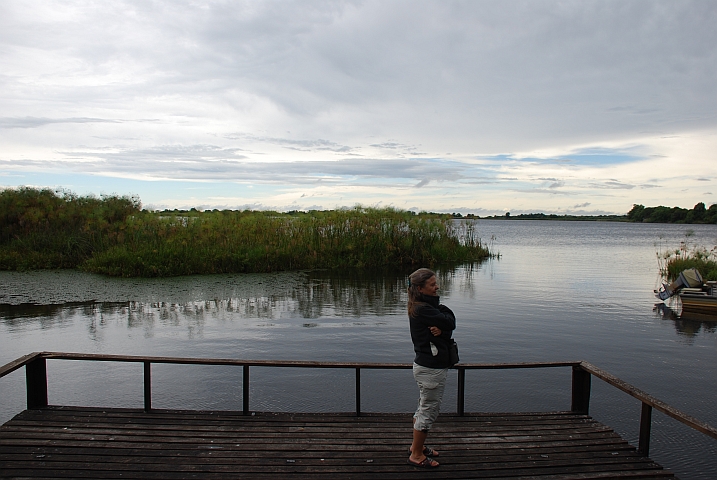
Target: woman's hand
column 435, row 331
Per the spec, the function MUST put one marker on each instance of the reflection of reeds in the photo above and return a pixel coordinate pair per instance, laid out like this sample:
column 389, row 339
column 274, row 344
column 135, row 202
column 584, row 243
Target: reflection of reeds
column 113, row 236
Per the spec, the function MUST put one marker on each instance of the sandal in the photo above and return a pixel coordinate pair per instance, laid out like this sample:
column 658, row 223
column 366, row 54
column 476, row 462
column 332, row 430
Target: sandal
column 427, row 451
column 427, row 462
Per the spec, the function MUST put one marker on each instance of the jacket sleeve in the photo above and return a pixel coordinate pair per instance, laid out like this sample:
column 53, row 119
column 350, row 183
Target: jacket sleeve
column 442, row 318
column 443, row 309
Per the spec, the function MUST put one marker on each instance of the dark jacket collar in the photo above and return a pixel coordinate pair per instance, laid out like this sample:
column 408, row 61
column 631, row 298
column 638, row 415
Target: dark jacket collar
column 433, row 301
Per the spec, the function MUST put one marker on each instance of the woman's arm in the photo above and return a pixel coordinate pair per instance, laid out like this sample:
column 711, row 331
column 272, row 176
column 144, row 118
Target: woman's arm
column 432, row 317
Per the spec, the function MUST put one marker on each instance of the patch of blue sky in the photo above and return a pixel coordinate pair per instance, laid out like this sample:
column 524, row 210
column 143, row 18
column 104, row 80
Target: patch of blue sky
column 595, row 156
column 601, row 156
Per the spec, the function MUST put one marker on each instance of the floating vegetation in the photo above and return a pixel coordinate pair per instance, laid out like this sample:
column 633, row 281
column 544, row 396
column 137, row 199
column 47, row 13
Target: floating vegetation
column 113, row 236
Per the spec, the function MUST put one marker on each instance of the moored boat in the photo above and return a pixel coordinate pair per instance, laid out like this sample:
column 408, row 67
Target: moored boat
column 701, row 300
column 698, row 297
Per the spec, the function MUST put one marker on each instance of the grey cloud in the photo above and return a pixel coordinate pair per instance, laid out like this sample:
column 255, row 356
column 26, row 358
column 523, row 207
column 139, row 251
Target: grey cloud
column 582, row 205
column 549, row 191
column 634, row 110
column 607, row 63
column 34, row 122
column 211, row 162
column 612, row 184
column 389, row 145
column 299, row 145
column 155, row 157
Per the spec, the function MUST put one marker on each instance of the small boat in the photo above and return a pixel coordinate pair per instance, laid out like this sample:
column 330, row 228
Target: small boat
column 702, row 300
column 698, row 297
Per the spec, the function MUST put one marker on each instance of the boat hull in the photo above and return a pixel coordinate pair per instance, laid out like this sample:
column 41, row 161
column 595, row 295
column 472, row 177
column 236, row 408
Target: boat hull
column 699, row 303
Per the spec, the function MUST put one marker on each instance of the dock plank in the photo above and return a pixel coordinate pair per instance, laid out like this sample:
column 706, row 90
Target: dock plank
column 82, row 442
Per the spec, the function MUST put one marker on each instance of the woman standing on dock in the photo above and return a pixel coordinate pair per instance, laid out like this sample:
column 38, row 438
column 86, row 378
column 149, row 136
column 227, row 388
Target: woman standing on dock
column 432, row 326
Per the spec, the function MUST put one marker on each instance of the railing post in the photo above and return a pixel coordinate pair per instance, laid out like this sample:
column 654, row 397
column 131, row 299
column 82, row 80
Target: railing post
column 36, row 382
column 358, row 391
column 245, row 390
column 581, row 390
column 643, row 447
column 461, row 391
column 147, row 387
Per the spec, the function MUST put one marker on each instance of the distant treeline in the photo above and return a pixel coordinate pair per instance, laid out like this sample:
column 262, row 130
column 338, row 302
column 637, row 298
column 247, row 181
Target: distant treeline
column 114, row 236
column 552, row 216
column 639, row 213
column 698, row 214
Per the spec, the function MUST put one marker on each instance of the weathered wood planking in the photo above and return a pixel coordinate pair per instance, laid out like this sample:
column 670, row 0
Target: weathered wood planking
column 74, row 442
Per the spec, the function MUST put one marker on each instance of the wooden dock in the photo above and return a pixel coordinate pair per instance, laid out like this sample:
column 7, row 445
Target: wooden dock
column 47, row 441
column 76, row 442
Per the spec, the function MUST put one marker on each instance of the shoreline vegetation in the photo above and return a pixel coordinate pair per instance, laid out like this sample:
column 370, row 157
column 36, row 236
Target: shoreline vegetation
column 673, row 262
column 639, row 213
column 112, row 235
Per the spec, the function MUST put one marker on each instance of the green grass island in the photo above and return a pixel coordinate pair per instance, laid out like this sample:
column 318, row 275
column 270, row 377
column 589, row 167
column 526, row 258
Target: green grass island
column 113, row 235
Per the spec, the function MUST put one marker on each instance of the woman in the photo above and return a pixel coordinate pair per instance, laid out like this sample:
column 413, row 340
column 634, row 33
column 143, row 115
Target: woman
column 432, row 325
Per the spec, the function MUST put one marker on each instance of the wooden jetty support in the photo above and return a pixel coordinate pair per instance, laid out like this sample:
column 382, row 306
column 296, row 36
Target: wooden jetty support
column 48, row 441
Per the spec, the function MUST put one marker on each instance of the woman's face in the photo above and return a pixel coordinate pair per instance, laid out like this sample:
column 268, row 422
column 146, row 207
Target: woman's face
column 430, row 288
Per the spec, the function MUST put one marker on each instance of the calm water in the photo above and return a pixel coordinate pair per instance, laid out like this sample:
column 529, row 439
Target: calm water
column 560, row 291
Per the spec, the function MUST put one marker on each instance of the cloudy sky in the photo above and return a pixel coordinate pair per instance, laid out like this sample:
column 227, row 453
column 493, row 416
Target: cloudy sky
column 472, row 106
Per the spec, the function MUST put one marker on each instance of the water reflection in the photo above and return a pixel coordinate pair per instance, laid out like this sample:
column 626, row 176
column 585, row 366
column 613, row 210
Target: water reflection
column 688, row 324
column 321, row 294
column 352, row 294
column 53, row 315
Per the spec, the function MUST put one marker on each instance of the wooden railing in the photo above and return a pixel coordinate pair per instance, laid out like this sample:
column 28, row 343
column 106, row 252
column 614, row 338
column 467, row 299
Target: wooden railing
column 582, row 372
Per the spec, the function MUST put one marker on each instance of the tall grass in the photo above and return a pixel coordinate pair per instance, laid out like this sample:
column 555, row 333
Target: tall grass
column 230, row 241
column 146, row 244
column 57, row 229
column 672, row 262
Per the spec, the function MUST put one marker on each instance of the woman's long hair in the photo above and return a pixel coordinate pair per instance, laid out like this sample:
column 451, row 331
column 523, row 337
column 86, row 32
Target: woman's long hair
column 415, row 280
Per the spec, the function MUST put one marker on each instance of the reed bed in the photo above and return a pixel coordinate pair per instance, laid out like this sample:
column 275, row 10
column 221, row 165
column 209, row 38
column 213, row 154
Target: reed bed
column 704, row 260
column 113, row 236
column 688, row 255
column 57, row 229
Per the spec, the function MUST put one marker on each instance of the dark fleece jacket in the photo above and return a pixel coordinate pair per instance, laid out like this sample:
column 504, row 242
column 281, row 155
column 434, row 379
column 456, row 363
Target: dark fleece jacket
column 430, row 313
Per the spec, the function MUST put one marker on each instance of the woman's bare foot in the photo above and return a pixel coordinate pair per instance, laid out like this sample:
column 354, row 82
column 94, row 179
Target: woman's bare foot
column 425, row 462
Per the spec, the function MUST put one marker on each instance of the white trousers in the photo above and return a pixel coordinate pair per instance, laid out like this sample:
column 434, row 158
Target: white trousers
column 431, row 383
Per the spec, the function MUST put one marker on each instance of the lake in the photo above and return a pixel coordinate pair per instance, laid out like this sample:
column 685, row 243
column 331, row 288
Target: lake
column 559, row 291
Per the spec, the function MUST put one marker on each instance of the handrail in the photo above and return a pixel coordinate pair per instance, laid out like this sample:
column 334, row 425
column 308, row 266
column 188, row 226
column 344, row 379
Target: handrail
column 36, row 373
column 648, row 399
column 18, row 363
column 264, row 363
